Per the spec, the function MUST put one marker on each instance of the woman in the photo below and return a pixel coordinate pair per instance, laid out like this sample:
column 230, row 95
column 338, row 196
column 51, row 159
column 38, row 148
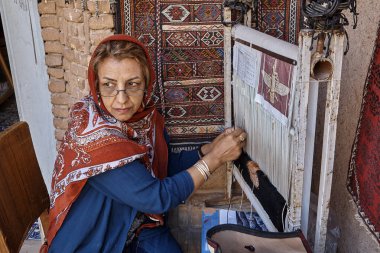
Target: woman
column 113, row 177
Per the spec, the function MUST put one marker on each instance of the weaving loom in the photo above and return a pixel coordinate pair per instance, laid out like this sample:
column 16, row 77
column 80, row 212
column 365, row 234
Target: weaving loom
column 274, row 98
column 263, row 96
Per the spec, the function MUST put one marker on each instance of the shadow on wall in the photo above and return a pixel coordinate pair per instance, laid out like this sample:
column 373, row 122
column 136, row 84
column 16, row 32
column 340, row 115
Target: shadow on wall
column 8, row 106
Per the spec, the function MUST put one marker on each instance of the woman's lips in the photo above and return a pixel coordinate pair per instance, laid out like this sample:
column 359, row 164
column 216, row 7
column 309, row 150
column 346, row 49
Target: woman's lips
column 125, row 110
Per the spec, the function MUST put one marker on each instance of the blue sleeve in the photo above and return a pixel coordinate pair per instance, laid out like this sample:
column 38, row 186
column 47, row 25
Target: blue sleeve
column 180, row 161
column 133, row 185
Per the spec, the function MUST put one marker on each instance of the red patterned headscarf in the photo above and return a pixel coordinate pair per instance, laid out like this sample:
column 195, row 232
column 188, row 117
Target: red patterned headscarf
column 96, row 142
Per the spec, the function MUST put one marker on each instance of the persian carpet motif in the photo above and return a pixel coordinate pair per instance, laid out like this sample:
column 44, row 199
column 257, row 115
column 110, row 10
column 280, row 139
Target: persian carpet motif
column 280, row 18
column 185, row 41
column 363, row 176
column 275, row 85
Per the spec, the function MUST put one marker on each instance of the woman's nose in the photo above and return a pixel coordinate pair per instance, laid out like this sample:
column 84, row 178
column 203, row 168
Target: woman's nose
column 122, row 96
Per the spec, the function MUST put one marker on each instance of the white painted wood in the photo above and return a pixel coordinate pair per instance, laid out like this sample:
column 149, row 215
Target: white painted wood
column 309, row 154
column 26, row 53
column 248, row 18
column 227, row 90
column 329, row 139
column 254, row 201
column 227, row 69
column 265, row 41
column 299, row 126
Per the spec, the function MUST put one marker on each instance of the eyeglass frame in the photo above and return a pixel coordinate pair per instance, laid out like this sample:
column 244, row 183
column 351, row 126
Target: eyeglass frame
column 125, row 91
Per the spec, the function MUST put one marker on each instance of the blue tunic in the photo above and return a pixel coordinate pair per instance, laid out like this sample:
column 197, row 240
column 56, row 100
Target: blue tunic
column 100, row 218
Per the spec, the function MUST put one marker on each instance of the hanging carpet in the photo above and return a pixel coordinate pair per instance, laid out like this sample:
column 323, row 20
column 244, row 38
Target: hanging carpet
column 280, row 19
column 186, row 43
column 363, row 181
column 185, row 40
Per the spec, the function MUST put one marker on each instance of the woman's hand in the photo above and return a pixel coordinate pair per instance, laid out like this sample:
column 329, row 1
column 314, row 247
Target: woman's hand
column 224, row 148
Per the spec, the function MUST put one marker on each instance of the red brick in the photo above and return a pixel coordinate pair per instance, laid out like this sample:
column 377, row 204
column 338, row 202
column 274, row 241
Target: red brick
column 60, row 99
column 59, row 134
column 58, row 144
column 68, row 54
column 66, row 64
column 103, row 21
column 53, row 60
column 48, row 20
column 46, row 7
column 60, row 123
column 103, row 7
column 56, row 72
column 76, row 43
column 81, row 58
column 78, row 70
column 64, row 3
column 73, row 15
column 61, row 111
column 50, row 33
column 53, row 47
column 57, row 85
column 98, row 35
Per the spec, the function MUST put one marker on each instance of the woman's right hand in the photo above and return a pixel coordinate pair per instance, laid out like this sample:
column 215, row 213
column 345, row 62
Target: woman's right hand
column 225, row 148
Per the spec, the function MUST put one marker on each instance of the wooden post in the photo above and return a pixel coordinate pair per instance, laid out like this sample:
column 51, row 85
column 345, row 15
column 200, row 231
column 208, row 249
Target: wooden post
column 227, row 89
column 300, row 125
column 329, row 138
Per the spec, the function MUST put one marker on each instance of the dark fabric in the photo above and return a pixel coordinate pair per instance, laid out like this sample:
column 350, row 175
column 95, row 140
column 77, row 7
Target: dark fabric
column 363, row 181
column 140, row 219
column 117, row 16
column 163, row 242
column 271, row 200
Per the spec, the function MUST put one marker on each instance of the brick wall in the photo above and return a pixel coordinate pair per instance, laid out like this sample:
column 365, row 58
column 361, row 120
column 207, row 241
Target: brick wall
column 70, row 34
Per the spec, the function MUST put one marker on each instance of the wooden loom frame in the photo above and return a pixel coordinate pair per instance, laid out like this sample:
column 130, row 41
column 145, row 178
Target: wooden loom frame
column 305, row 119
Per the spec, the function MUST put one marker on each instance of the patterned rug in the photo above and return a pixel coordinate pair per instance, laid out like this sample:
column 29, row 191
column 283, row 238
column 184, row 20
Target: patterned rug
column 364, row 175
column 280, row 18
column 185, row 40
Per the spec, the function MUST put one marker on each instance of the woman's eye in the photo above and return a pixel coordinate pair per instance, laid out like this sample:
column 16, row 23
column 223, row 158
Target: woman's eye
column 133, row 84
column 107, row 85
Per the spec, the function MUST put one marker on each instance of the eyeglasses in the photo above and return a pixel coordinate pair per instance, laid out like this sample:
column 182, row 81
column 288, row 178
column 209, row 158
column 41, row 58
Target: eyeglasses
column 111, row 91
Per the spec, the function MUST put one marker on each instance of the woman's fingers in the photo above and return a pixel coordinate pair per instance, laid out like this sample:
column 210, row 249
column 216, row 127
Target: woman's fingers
column 233, row 144
column 228, row 130
column 228, row 145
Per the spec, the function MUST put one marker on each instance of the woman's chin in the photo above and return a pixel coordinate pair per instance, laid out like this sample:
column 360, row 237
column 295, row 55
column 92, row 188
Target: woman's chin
column 123, row 115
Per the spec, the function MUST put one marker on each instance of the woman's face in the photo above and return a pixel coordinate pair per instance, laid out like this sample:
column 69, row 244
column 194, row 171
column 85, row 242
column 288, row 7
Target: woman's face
column 125, row 79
